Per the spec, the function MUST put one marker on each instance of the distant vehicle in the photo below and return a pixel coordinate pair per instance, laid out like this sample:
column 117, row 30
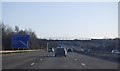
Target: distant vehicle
column 50, row 50
column 60, row 52
column 115, row 51
column 59, row 47
column 82, row 50
column 69, row 50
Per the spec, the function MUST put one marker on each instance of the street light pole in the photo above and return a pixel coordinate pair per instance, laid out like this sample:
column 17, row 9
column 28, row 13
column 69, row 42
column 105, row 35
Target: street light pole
column 47, row 46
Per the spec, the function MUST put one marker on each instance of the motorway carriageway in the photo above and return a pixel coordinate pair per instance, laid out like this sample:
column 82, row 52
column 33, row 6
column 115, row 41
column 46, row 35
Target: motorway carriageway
column 45, row 60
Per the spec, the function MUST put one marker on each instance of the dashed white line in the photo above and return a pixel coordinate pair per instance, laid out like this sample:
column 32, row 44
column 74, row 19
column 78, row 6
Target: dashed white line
column 41, row 59
column 83, row 64
column 32, row 64
column 72, row 57
column 75, row 59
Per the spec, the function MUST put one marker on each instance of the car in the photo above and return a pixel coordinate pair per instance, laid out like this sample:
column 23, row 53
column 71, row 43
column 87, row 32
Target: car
column 50, row 50
column 69, row 50
column 60, row 52
column 115, row 51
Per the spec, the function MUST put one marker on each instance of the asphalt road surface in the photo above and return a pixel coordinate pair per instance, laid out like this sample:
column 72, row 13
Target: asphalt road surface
column 45, row 60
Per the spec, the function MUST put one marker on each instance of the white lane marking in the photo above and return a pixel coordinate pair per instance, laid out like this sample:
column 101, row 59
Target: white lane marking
column 9, row 58
column 72, row 57
column 83, row 64
column 75, row 59
column 32, row 64
column 41, row 59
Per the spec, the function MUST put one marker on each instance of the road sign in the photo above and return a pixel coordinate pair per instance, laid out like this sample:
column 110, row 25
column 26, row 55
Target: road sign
column 20, row 41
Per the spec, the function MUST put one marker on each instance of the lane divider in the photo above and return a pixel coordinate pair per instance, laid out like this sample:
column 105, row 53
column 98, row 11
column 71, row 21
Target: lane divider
column 72, row 57
column 75, row 59
column 83, row 64
column 32, row 64
column 41, row 59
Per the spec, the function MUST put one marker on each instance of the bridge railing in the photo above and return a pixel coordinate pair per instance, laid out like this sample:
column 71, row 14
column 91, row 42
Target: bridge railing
column 65, row 38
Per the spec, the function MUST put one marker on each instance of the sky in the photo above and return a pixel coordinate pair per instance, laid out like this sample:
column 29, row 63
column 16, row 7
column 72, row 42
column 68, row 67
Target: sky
column 59, row 0
column 64, row 19
column 0, row 10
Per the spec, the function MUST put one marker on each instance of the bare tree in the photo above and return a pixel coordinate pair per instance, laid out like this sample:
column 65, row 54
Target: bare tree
column 17, row 29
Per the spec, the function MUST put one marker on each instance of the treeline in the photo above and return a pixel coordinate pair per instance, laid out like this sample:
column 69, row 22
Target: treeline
column 8, row 31
column 36, row 43
column 103, row 45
